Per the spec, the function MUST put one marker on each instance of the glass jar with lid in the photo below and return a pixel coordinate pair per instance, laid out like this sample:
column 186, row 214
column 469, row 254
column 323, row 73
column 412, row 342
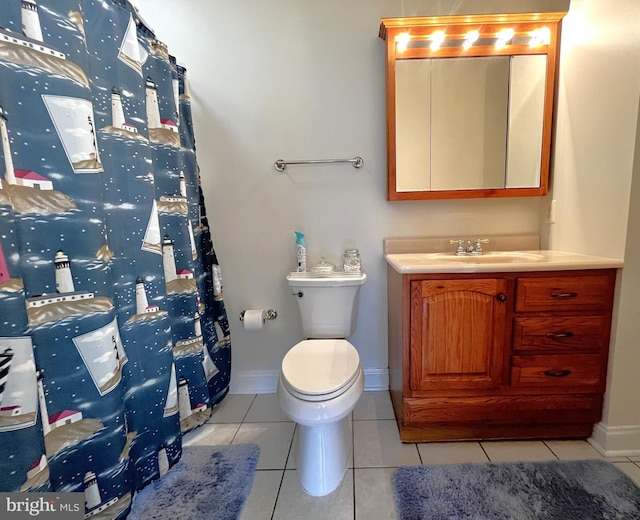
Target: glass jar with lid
column 351, row 262
column 323, row 267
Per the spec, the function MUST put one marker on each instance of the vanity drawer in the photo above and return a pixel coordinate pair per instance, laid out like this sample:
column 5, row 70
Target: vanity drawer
column 563, row 334
column 579, row 370
column 563, row 293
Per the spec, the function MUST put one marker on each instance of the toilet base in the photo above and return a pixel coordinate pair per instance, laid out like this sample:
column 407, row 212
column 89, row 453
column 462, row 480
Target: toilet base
column 324, row 436
column 324, row 451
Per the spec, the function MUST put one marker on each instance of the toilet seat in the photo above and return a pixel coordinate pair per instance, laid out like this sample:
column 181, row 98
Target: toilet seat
column 320, row 369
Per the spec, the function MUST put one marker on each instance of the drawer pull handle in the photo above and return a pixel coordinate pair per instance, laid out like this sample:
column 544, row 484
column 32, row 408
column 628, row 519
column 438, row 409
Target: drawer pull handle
column 559, row 335
column 557, row 373
column 563, row 295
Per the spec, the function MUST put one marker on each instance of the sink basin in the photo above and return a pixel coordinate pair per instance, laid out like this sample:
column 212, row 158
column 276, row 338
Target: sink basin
column 493, row 257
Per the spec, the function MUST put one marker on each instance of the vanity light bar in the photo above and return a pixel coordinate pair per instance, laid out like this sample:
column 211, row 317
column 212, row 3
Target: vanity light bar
column 439, row 39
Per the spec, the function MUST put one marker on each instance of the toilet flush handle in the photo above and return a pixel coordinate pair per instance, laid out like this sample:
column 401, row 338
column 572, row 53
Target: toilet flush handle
column 299, row 294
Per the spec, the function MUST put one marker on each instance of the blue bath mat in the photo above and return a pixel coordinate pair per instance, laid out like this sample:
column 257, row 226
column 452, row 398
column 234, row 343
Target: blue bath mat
column 558, row 490
column 208, row 483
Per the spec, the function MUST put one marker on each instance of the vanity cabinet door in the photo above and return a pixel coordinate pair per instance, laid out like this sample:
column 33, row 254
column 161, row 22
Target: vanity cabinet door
column 457, row 334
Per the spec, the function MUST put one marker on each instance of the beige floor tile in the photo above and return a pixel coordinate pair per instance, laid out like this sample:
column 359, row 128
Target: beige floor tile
column 274, row 440
column 373, row 405
column 517, row 451
column 374, row 494
column 266, row 408
column 635, row 458
column 451, row 452
column 262, row 499
column 292, row 461
column 293, row 452
column 578, row 450
column 211, row 435
column 294, row 504
column 377, row 445
column 631, row 469
column 232, row 409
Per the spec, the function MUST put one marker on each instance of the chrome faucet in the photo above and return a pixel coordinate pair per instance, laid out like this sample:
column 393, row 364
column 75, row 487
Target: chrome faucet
column 478, row 245
column 472, row 247
column 460, row 251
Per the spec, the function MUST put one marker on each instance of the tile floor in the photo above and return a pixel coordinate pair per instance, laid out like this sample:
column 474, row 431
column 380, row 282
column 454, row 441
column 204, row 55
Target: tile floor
column 365, row 493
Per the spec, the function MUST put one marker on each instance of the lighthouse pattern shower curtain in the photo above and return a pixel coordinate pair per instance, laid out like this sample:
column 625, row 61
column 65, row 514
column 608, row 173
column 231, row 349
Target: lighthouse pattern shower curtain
column 114, row 339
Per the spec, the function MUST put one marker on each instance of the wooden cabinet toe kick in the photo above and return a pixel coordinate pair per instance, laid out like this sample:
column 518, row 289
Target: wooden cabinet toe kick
column 499, row 417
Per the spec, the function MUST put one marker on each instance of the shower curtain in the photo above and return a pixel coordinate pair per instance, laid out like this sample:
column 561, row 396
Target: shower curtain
column 114, row 339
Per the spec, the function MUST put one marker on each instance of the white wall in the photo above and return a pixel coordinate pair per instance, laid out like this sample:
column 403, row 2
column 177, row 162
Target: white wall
column 301, row 80
column 597, row 212
column 619, row 431
column 596, row 126
column 305, row 80
column 595, row 146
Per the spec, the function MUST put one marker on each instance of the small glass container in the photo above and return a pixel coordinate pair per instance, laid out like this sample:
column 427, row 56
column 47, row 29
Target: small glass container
column 351, row 262
column 323, row 267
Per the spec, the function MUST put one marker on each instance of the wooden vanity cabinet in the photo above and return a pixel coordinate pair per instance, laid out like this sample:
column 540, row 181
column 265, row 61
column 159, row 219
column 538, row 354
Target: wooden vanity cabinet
column 499, row 355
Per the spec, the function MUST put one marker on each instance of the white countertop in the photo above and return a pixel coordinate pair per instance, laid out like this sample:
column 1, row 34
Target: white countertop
column 497, row 261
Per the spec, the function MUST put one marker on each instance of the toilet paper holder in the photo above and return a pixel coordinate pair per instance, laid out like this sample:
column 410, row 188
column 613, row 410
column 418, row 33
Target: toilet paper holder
column 269, row 314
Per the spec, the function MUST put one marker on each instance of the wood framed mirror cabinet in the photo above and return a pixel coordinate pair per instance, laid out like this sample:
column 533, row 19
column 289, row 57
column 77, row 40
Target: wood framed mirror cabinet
column 470, row 104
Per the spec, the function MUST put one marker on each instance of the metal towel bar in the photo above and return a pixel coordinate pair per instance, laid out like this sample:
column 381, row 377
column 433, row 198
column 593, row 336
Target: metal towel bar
column 356, row 162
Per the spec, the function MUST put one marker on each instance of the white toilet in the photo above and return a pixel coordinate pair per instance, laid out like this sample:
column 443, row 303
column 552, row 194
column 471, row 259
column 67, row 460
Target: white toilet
column 321, row 378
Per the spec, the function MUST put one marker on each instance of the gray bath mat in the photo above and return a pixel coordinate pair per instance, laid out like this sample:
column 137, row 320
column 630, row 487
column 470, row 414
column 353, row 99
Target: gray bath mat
column 208, row 483
column 558, row 490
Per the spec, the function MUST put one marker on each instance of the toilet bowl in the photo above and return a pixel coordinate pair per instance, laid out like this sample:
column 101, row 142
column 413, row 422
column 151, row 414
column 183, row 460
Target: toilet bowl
column 320, row 384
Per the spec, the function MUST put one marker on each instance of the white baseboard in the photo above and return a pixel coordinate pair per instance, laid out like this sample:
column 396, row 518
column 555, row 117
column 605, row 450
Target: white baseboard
column 266, row 381
column 254, row 381
column 616, row 441
column 376, row 379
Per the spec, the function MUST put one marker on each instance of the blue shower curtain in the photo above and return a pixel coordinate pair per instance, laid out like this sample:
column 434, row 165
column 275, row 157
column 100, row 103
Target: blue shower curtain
column 114, row 339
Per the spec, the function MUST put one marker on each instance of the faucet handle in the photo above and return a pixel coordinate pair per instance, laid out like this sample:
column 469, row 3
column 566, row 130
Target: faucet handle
column 479, row 242
column 460, row 243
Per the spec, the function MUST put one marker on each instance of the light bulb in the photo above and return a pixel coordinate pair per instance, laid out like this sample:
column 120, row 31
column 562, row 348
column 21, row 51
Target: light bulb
column 504, row 36
column 470, row 38
column 540, row 36
column 402, row 41
column 436, row 39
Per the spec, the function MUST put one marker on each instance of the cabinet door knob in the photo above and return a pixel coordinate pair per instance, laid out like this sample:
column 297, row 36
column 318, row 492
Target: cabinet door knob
column 557, row 373
column 562, row 295
column 502, row 297
column 559, row 335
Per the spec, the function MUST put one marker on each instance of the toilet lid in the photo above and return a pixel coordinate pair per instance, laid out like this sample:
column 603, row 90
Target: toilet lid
column 320, row 366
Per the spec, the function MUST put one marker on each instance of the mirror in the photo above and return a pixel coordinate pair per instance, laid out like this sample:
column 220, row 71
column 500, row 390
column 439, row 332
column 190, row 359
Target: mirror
column 469, row 119
column 494, row 104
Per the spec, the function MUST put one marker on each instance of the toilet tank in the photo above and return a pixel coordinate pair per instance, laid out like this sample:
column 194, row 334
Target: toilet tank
column 328, row 304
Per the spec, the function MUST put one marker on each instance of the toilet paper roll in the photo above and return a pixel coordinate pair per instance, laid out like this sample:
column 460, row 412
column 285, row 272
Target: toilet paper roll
column 254, row 319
